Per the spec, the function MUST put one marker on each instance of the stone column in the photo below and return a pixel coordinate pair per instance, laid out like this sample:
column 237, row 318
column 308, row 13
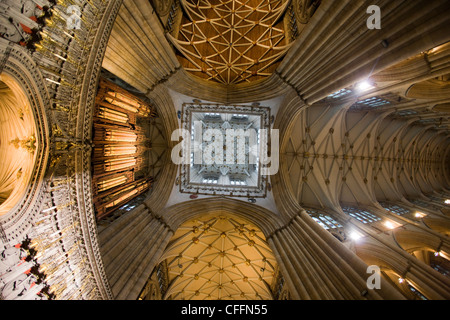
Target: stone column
column 430, row 282
column 130, row 248
column 317, row 266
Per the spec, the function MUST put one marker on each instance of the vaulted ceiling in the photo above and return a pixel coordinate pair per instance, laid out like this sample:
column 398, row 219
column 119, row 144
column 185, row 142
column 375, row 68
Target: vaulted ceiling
column 18, row 143
column 341, row 142
column 381, row 139
column 363, row 116
column 232, row 41
column 219, row 257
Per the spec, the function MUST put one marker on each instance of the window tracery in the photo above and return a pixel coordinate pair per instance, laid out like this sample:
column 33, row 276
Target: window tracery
column 361, row 215
column 398, row 210
column 329, row 223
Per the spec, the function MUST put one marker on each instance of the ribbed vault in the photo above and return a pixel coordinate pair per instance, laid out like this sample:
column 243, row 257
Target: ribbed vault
column 219, row 257
column 232, row 41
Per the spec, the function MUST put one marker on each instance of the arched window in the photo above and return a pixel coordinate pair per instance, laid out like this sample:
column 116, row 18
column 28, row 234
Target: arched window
column 400, row 211
column 324, row 220
column 417, row 293
column 361, row 215
column 439, row 263
column 329, row 223
column 424, row 204
column 437, row 199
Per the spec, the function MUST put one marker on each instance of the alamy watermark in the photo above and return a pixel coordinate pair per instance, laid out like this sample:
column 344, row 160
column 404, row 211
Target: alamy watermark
column 374, row 21
column 374, row 281
column 228, row 147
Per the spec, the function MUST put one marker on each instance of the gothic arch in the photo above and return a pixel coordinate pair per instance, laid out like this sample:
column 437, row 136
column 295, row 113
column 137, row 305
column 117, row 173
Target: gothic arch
column 147, row 233
column 62, row 91
column 258, row 275
column 20, row 73
column 61, row 100
column 437, row 223
column 264, row 219
column 401, row 267
column 18, row 135
column 391, row 265
column 412, row 240
column 374, row 253
column 219, row 256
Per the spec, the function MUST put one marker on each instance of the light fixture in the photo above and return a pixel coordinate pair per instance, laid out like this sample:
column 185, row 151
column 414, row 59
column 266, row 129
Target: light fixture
column 364, row 86
column 390, row 225
column 355, row 235
column 436, row 254
column 447, row 201
column 420, row 215
column 401, row 280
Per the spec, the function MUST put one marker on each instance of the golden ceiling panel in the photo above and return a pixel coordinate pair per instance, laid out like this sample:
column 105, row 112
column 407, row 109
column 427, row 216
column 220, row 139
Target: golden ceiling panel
column 18, row 143
column 232, row 41
column 219, row 258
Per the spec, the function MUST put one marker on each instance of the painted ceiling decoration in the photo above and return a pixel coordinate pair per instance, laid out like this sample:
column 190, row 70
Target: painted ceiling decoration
column 219, row 258
column 232, row 41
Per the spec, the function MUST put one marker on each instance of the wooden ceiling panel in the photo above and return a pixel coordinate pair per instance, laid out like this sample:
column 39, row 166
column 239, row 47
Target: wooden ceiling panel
column 232, row 41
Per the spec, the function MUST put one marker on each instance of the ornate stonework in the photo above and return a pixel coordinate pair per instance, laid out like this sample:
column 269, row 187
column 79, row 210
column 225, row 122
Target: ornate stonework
column 59, row 76
column 24, row 70
column 50, row 246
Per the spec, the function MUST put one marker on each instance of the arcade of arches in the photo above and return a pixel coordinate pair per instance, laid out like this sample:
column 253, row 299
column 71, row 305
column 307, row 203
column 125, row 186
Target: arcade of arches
column 93, row 207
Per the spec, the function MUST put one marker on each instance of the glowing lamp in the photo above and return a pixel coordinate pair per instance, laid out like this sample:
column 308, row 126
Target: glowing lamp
column 364, row 86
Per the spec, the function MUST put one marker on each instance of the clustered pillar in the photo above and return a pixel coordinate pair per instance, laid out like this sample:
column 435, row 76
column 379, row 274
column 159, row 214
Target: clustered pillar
column 130, row 250
column 317, row 266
